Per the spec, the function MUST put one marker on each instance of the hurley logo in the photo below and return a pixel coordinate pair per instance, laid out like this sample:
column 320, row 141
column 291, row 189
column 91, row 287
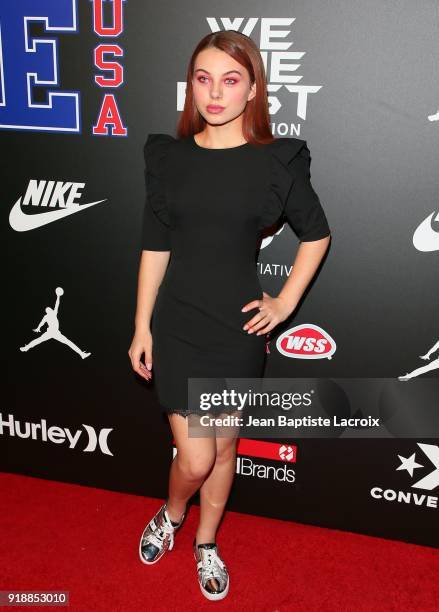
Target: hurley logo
column 31, row 210
column 88, row 442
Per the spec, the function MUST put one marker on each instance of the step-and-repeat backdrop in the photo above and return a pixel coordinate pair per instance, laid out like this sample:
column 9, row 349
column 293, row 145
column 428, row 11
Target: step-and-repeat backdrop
column 83, row 82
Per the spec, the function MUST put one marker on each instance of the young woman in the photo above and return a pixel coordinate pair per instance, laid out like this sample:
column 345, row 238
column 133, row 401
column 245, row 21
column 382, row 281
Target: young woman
column 210, row 193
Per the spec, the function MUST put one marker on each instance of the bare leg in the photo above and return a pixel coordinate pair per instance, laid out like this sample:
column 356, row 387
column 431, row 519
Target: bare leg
column 193, row 461
column 215, row 490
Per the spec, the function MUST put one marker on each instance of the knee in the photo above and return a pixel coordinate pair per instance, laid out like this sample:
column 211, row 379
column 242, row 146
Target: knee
column 195, row 468
column 226, row 453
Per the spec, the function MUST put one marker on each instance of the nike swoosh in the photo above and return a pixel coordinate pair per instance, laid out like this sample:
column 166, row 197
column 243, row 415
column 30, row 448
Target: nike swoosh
column 22, row 222
column 425, row 239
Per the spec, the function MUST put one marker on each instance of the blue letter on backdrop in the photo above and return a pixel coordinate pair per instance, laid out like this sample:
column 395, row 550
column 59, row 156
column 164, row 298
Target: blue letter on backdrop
column 26, row 62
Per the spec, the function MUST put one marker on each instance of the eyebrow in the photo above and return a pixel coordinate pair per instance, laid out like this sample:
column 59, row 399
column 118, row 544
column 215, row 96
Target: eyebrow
column 228, row 71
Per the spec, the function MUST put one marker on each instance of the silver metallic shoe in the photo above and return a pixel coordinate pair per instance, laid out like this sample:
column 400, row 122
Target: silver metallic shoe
column 213, row 576
column 158, row 536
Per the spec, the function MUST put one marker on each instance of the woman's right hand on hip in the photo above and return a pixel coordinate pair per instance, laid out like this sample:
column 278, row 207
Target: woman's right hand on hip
column 142, row 343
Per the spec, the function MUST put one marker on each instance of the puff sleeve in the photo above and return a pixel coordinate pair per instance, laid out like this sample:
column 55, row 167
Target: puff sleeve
column 291, row 192
column 156, row 225
column 303, row 209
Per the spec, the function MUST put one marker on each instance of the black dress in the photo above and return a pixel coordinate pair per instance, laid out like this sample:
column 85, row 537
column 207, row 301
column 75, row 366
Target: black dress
column 208, row 207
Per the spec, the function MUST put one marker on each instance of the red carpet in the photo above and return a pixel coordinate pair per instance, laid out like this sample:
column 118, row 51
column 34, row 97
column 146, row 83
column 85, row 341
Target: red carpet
column 59, row 536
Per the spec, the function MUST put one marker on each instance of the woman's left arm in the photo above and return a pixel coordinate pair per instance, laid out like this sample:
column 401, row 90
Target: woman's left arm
column 274, row 310
column 308, row 219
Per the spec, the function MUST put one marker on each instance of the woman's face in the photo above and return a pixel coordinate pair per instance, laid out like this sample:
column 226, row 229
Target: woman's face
column 221, row 86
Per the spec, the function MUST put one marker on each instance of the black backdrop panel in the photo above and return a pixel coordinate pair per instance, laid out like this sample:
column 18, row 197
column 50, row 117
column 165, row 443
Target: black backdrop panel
column 363, row 96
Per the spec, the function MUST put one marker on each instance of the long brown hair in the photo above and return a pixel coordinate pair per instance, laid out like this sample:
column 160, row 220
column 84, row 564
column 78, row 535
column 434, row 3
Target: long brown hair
column 256, row 119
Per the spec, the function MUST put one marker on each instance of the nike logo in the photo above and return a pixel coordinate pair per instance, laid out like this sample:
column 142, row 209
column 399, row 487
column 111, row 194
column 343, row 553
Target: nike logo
column 43, row 195
column 425, row 238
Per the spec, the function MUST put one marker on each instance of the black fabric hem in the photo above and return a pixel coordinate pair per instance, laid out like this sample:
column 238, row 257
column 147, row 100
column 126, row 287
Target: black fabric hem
column 186, row 413
column 315, row 236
